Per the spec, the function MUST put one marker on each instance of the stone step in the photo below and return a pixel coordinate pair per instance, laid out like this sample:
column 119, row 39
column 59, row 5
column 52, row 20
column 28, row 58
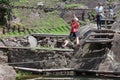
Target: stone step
column 48, row 35
column 107, row 19
column 98, row 40
column 104, row 31
column 106, row 25
column 38, row 48
column 102, row 34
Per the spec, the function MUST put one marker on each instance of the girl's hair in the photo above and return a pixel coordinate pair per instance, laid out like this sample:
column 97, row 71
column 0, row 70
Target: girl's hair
column 73, row 20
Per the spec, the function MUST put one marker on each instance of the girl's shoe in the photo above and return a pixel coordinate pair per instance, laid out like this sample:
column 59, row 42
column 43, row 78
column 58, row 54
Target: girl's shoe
column 78, row 44
column 63, row 46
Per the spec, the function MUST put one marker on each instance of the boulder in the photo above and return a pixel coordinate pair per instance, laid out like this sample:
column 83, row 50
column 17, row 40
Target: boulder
column 7, row 72
column 3, row 57
column 33, row 41
column 40, row 4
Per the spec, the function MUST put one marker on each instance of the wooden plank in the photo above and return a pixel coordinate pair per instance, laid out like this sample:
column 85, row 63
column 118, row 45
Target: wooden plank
column 104, row 31
column 67, row 69
column 110, row 75
column 102, row 34
column 97, row 71
column 49, row 35
column 108, row 19
column 98, row 41
column 106, row 25
column 38, row 48
column 55, row 78
column 44, row 70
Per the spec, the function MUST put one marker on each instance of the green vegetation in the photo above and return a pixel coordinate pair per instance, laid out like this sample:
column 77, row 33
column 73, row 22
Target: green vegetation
column 48, row 3
column 20, row 74
column 73, row 5
column 5, row 1
column 56, row 30
column 117, row 14
column 24, row 75
column 112, row 0
column 37, row 21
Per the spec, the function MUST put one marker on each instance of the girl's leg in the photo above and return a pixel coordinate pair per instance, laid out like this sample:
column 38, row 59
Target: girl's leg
column 100, row 21
column 77, row 38
column 66, row 42
column 78, row 42
column 97, row 21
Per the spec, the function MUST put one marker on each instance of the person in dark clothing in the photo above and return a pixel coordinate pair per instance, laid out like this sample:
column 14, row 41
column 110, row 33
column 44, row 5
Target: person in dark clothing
column 99, row 14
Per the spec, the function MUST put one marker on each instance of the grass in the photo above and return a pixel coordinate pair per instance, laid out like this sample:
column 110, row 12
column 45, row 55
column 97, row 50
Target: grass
column 48, row 48
column 21, row 75
column 49, row 22
column 73, row 5
column 48, row 3
column 112, row 0
column 56, row 30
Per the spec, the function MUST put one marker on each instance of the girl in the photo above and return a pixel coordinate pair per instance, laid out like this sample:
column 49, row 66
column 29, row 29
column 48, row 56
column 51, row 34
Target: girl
column 73, row 33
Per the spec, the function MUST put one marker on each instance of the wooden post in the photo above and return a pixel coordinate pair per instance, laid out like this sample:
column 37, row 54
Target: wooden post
column 13, row 29
column 24, row 29
column 18, row 28
column 83, row 15
column 28, row 30
column 3, row 30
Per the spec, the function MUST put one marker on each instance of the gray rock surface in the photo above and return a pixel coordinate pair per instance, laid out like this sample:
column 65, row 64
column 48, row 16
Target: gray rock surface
column 32, row 41
column 3, row 57
column 7, row 72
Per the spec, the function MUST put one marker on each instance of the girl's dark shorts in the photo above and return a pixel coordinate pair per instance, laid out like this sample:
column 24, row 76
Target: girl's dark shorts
column 73, row 35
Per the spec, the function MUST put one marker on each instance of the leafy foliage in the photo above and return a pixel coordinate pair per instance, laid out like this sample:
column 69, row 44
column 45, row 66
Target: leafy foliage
column 73, row 5
column 5, row 1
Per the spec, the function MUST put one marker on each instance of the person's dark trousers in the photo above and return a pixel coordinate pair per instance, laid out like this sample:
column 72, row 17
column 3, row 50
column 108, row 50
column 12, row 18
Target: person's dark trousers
column 99, row 18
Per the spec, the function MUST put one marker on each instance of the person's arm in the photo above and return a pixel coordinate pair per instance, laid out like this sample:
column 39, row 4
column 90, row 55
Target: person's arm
column 75, row 17
column 103, row 10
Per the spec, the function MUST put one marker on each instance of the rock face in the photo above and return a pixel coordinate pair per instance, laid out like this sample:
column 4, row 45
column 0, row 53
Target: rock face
column 7, row 73
column 3, row 57
column 95, row 56
column 115, row 47
column 89, row 3
column 33, row 41
column 43, row 59
column 101, row 56
column 91, row 56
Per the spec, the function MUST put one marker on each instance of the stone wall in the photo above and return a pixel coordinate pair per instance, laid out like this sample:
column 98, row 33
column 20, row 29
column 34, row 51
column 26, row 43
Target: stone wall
column 101, row 56
column 89, row 56
column 40, row 59
column 6, row 72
